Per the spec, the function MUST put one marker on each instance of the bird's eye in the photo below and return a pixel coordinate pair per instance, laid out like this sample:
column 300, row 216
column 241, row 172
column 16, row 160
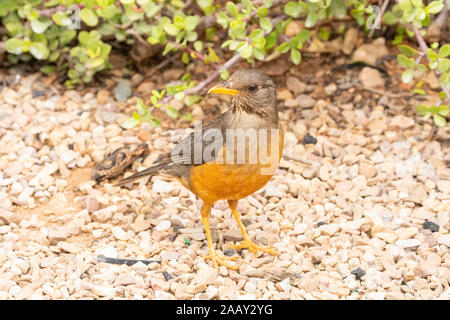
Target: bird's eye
column 252, row 87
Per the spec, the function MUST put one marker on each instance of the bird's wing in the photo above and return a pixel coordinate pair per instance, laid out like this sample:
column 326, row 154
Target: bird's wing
column 195, row 148
column 190, row 151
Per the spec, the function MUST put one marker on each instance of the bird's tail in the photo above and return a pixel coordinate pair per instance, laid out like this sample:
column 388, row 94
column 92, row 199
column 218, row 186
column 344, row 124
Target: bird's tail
column 144, row 173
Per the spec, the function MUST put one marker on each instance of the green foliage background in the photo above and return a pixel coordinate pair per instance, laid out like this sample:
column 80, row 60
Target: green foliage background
column 47, row 30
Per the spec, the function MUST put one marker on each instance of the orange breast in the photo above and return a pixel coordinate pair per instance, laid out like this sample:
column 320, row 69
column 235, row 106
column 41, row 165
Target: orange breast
column 215, row 181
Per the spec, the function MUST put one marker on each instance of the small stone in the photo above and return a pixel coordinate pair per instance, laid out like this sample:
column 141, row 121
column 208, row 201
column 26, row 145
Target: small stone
column 102, row 96
column 389, row 237
column 145, row 87
column 163, row 226
column 91, row 204
column 445, row 240
column 56, row 235
column 434, row 227
column 329, row 229
column 350, row 39
column 206, row 276
column 229, row 252
column 409, row 243
column 161, row 186
column 159, row 284
column 68, row 247
column 443, row 186
column 406, row 233
column 359, row 273
column 295, row 85
column 309, row 139
column 109, row 117
column 103, row 291
column 330, row 89
column 137, row 78
column 141, row 224
column 371, row 78
column 272, row 191
column 299, row 229
column 37, row 93
column 284, row 95
column 233, row 235
column 105, row 214
column 306, row 101
column 167, row 275
column 122, row 91
column 299, row 129
column 125, row 280
column 120, row 234
column 376, row 295
column 285, row 285
column 370, row 52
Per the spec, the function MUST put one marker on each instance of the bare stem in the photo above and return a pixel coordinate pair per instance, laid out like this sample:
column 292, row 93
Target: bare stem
column 424, row 47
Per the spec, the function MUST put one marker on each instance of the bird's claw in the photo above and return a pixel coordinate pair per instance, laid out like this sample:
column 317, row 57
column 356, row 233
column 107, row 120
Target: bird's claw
column 252, row 247
column 221, row 260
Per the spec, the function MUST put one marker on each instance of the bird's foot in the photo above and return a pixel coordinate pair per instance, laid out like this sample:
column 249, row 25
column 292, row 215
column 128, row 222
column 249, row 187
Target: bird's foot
column 252, row 247
column 221, row 260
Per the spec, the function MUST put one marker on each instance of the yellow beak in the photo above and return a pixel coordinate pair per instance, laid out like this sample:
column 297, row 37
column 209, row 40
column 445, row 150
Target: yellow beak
column 224, row 90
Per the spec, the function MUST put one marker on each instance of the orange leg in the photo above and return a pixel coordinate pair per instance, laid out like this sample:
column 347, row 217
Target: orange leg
column 247, row 243
column 216, row 259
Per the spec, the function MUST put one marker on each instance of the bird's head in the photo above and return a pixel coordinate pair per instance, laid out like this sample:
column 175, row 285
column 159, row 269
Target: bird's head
column 253, row 92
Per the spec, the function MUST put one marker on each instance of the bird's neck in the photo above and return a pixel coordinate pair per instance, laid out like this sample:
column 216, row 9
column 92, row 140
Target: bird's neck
column 263, row 114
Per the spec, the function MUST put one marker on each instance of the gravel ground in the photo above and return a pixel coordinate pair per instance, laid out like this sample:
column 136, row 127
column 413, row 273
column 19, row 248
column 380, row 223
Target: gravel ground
column 367, row 219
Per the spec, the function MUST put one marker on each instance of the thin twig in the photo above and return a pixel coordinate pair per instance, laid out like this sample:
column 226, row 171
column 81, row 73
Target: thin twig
column 424, row 48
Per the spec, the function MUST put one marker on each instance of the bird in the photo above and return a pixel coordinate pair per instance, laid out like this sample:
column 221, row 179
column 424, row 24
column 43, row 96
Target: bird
column 234, row 164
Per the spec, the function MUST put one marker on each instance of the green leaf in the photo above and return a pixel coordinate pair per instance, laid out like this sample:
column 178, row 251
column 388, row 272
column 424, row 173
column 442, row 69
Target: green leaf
column 422, row 109
column 406, row 62
column 262, row 12
column 389, row 18
column 296, row 57
column 171, row 112
column 232, row 9
column 439, row 120
column 246, row 51
column 14, row 45
column 265, row 24
column 130, row 123
column 48, row 69
column 443, row 110
column 284, row 47
column 187, row 116
column 189, row 100
column 39, row 26
column 171, row 29
column 407, row 76
column 39, row 50
column 89, row 17
column 191, row 23
column 435, row 7
column 142, row 109
column 442, row 95
column 311, row 19
column 154, row 122
column 444, row 51
column 169, row 46
column 179, row 95
column 293, row 9
column 407, row 50
column 224, row 75
column 444, row 65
